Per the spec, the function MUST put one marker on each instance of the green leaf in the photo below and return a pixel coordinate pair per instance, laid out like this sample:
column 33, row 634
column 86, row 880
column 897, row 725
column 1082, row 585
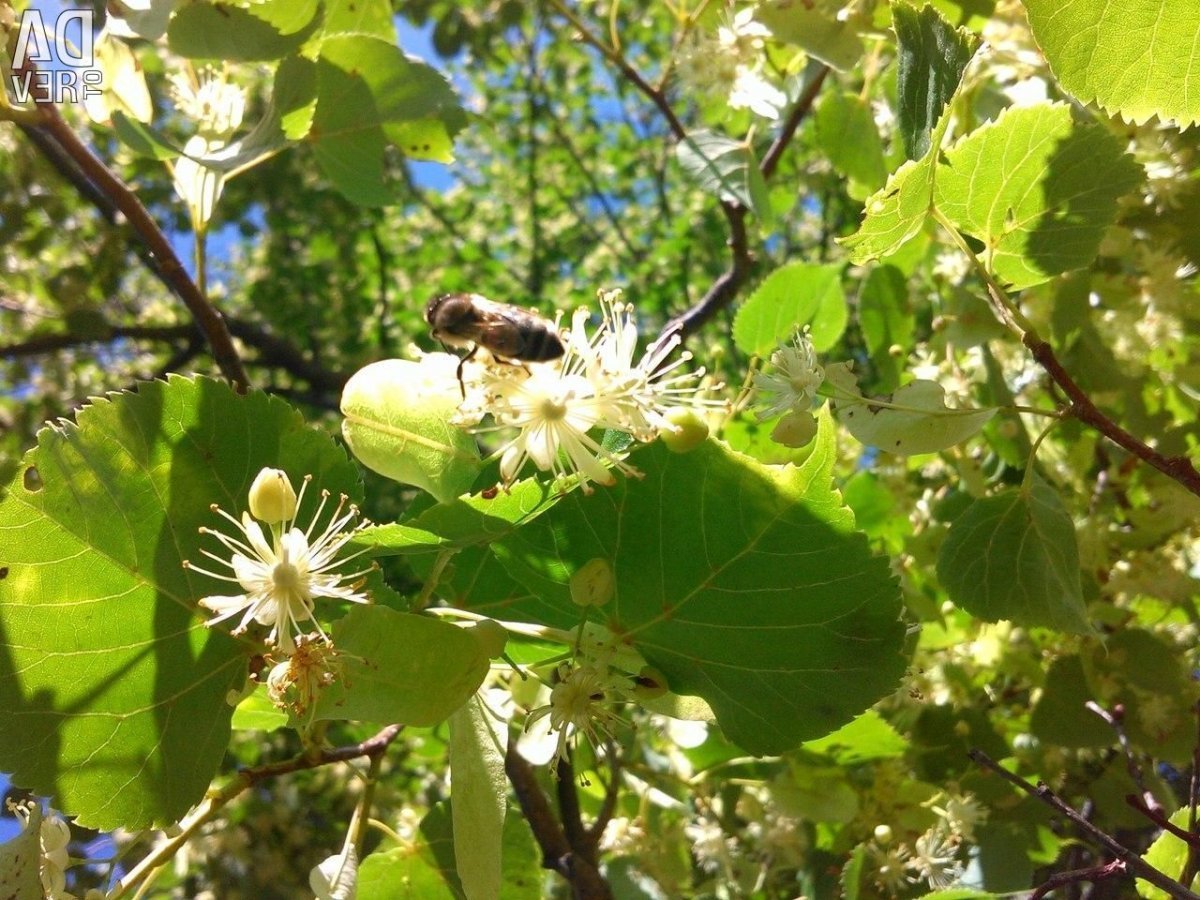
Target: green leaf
column 402, row 873
column 1061, row 717
column 933, row 54
column 1169, row 855
column 258, row 713
column 399, row 667
column 20, row 861
column 372, row 17
column 846, row 133
column 294, row 96
column 208, row 30
column 725, row 168
column 477, row 748
column 867, row 738
column 912, row 419
column 113, row 690
column 896, row 213
column 367, row 89
column 742, row 584
column 141, row 139
column 791, row 297
column 1137, row 59
column 471, row 520
column 1037, row 189
column 815, row 27
column 397, row 423
column 1014, row 556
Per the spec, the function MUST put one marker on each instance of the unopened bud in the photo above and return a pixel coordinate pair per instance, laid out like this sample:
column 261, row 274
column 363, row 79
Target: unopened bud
column 272, row 499
column 687, row 430
column 492, row 636
column 593, row 584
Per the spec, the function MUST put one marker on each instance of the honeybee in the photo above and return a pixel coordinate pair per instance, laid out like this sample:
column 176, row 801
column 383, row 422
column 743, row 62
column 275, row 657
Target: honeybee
column 509, row 333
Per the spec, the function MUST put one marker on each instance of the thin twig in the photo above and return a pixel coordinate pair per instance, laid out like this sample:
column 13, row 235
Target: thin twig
column 653, row 94
column 1192, row 866
column 126, row 201
column 55, row 129
column 1132, row 861
column 722, row 291
column 1116, row 721
column 1179, row 468
column 1156, row 816
column 569, row 811
column 1093, row 874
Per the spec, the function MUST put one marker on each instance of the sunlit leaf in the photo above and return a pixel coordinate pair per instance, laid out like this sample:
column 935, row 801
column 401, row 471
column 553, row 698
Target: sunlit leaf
column 912, row 419
column 403, row 668
column 816, row 27
column 791, row 297
column 1137, row 58
column 114, row 691
column 480, row 789
column 726, row 168
column 1037, row 188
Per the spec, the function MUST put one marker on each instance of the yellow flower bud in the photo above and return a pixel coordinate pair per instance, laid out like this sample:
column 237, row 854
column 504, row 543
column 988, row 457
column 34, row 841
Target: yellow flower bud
column 272, row 499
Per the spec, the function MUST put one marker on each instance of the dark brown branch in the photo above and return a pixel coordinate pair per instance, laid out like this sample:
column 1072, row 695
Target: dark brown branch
column 1179, row 468
column 728, row 283
column 1156, row 816
column 1114, row 869
column 273, row 350
column 55, row 128
column 1116, row 721
column 371, row 747
column 557, row 855
column 569, row 811
column 723, row 291
column 1133, row 863
column 791, row 124
column 611, row 792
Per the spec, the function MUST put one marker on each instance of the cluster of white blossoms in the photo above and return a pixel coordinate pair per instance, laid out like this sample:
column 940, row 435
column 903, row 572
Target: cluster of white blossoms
column 282, row 578
column 596, row 385
column 731, row 63
column 789, row 390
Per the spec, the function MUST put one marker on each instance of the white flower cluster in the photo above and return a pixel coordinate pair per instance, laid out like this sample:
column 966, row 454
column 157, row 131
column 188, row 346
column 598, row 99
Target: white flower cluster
column 556, row 406
column 731, row 64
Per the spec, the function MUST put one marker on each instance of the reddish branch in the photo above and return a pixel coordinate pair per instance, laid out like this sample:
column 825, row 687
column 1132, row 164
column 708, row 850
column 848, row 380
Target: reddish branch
column 85, row 165
column 1130, row 861
column 558, row 853
column 1179, row 468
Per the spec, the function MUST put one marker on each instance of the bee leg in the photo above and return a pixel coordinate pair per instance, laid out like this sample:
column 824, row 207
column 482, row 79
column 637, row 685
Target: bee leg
column 462, row 362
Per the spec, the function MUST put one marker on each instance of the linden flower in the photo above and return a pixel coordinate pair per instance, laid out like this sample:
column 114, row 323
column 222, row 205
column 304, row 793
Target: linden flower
column 934, row 859
column 215, row 105
column 576, row 705
column 795, row 381
column 283, row 578
column 54, row 834
column 595, row 385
